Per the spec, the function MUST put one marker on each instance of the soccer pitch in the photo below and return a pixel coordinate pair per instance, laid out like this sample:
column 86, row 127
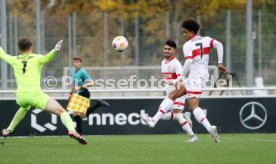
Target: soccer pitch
column 141, row 149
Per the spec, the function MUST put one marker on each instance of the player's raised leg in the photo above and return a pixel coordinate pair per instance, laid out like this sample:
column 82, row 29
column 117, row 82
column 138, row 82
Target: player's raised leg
column 96, row 104
column 168, row 116
column 54, row 107
column 164, row 107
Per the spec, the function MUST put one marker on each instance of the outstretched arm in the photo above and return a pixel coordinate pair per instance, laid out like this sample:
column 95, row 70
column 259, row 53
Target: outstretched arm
column 52, row 54
column 48, row 57
column 219, row 48
column 4, row 56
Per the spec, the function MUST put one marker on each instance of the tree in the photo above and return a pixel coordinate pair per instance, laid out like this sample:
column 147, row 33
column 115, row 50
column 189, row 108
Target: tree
column 151, row 15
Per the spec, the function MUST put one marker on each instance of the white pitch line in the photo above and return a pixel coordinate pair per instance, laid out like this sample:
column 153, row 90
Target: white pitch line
column 259, row 139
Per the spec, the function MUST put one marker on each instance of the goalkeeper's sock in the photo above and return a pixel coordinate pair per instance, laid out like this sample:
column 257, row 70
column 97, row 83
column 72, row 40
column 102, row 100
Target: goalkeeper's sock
column 165, row 106
column 78, row 122
column 19, row 115
column 67, row 121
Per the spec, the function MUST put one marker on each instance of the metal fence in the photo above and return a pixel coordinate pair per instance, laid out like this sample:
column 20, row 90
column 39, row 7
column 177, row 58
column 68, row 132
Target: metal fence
column 90, row 37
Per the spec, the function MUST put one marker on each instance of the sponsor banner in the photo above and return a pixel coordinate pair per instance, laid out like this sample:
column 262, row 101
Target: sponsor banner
column 230, row 115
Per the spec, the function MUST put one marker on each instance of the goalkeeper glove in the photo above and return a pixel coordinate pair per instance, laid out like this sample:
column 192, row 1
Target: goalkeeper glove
column 58, row 46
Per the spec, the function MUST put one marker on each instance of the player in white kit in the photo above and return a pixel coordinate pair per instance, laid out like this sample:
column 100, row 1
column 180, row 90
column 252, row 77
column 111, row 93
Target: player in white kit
column 171, row 69
column 196, row 51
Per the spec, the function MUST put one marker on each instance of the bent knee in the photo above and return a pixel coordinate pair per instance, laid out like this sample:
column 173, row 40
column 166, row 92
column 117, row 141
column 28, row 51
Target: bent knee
column 59, row 111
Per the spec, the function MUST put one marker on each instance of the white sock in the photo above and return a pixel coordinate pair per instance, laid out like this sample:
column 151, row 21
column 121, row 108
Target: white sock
column 165, row 106
column 167, row 116
column 184, row 123
column 201, row 118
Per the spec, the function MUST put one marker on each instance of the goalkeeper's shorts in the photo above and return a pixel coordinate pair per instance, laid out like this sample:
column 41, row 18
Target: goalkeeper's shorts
column 36, row 99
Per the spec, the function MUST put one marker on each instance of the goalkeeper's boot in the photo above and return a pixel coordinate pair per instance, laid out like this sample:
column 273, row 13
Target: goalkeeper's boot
column 148, row 120
column 77, row 137
column 214, row 134
column 5, row 133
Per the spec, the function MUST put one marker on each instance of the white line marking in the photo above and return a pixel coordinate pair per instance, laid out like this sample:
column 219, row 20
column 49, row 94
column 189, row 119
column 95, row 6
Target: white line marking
column 259, row 139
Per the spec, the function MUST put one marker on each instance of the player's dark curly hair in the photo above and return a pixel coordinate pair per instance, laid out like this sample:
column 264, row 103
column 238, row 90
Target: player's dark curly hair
column 191, row 25
column 24, row 44
column 171, row 43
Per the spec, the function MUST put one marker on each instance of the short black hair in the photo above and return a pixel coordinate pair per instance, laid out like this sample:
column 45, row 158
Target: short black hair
column 171, row 43
column 24, row 44
column 191, row 25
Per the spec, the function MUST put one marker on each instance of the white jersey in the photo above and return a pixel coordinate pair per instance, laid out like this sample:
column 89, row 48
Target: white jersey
column 171, row 68
column 198, row 49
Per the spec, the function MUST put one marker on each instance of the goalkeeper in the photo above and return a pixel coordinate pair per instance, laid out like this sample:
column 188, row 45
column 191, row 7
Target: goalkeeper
column 27, row 70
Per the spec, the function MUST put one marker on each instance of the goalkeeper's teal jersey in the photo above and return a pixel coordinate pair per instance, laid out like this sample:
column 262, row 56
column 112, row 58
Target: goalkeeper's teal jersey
column 27, row 69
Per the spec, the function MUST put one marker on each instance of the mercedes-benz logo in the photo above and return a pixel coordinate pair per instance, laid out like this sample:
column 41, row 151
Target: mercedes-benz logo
column 253, row 115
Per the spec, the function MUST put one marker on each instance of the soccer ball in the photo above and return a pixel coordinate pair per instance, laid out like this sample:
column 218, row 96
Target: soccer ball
column 120, row 43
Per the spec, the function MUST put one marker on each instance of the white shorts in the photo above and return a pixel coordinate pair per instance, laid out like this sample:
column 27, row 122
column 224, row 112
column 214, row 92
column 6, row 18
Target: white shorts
column 169, row 89
column 179, row 103
column 194, row 87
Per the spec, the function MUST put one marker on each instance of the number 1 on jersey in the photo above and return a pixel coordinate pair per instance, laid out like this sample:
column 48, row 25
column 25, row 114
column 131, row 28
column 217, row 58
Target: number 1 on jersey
column 201, row 50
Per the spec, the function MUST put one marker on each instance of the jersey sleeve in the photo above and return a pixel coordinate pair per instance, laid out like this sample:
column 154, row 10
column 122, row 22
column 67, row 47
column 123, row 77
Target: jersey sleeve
column 7, row 58
column 187, row 51
column 211, row 41
column 47, row 58
column 86, row 77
